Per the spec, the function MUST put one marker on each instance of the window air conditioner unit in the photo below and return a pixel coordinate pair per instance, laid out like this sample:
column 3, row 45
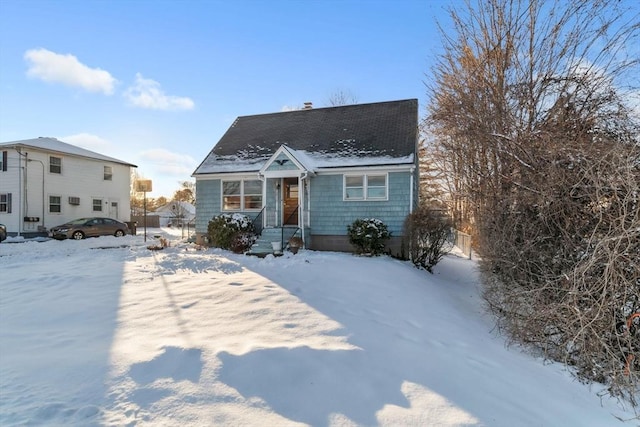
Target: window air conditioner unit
column 74, row 200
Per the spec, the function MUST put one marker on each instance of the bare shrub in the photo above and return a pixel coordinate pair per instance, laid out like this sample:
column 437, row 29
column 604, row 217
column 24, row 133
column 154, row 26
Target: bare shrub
column 542, row 152
column 428, row 232
column 563, row 274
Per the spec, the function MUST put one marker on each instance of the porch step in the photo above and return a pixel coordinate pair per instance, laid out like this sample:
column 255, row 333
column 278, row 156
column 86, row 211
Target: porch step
column 263, row 246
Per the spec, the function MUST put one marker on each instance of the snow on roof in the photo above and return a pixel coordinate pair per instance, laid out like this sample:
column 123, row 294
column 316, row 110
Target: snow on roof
column 312, row 161
column 53, row 144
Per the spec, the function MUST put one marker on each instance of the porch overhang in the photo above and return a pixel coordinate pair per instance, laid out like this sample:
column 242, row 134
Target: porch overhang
column 286, row 163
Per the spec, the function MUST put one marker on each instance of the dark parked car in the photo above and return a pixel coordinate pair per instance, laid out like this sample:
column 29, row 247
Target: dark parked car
column 3, row 232
column 89, row 227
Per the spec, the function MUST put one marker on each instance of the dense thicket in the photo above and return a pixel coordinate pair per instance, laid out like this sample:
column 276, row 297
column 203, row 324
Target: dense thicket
column 533, row 126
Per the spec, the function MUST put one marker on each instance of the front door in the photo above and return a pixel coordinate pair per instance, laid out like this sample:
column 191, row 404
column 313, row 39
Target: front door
column 113, row 210
column 290, row 201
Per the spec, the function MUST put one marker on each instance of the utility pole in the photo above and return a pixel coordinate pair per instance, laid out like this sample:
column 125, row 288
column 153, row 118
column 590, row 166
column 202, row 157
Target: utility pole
column 144, row 185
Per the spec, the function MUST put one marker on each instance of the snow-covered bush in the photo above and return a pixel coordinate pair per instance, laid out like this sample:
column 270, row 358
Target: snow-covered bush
column 368, row 235
column 232, row 232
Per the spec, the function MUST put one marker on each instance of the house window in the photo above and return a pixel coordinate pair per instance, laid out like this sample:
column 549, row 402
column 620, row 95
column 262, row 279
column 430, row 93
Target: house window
column 365, row 187
column 252, row 195
column 5, row 203
column 3, row 161
column 108, row 173
column 376, row 187
column 55, row 164
column 55, row 204
column 354, row 187
column 241, row 195
column 97, row 205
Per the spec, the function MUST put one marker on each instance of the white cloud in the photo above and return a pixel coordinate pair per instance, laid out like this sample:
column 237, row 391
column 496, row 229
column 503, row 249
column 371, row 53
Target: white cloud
column 147, row 93
column 66, row 69
column 166, row 162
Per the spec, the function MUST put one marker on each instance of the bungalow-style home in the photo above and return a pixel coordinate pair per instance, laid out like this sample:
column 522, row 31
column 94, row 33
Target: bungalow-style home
column 45, row 182
column 176, row 213
column 313, row 172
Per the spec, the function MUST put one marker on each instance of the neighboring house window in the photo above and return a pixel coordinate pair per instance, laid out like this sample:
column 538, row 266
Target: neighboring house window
column 3, row 161
column 365, row 187
column 97, row 205
column 5, row 203
column 55, row 164
column 241, row 195
column 108, row 173
column 55, row 204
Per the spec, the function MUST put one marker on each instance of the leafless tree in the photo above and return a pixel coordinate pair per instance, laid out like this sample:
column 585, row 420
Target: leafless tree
column 540, row 146
column 342, row 97
column 187, row 192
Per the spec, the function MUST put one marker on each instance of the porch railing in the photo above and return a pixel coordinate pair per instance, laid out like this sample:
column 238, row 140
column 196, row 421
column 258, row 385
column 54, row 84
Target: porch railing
column 295, row 212
column 258, row 221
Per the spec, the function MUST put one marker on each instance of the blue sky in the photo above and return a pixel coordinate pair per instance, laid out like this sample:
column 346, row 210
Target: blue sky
column 157, row 83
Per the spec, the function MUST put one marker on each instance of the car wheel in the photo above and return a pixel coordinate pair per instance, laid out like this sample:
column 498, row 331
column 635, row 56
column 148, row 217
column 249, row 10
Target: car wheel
column 77, row 235
column 119, row 233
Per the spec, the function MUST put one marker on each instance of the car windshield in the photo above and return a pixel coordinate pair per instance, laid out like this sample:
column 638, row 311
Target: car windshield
column 80, row 221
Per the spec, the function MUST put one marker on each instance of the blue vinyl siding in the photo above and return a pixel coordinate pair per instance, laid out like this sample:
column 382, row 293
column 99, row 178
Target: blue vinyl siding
column 207, row 202
column 330, row 214
column 209, row 199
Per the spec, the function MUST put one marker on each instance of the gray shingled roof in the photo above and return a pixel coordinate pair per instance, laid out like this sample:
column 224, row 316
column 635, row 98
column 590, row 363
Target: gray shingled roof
column 54, row 145
column 383, row 129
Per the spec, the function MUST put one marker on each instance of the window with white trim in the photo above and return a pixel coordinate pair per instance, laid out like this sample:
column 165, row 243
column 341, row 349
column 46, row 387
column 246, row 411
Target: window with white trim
column 5, row 203
column 55, row 204
column 97, row 205
column 55, row 164
column 242, row 195
column 108, row 173
column 365, row 187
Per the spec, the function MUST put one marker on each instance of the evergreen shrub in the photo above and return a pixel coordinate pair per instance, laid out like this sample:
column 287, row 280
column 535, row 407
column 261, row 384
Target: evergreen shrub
column 368, row 235
column 233, row 232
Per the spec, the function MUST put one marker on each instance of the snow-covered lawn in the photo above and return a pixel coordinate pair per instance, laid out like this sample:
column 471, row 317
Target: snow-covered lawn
column 106, row 332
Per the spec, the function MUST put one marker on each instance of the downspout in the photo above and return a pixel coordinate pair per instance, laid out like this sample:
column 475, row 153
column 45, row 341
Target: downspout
column 412, row 170
column 264, row 198
column 43, row 205
column 303, row 181
column 20, row 219
column 411, row 191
